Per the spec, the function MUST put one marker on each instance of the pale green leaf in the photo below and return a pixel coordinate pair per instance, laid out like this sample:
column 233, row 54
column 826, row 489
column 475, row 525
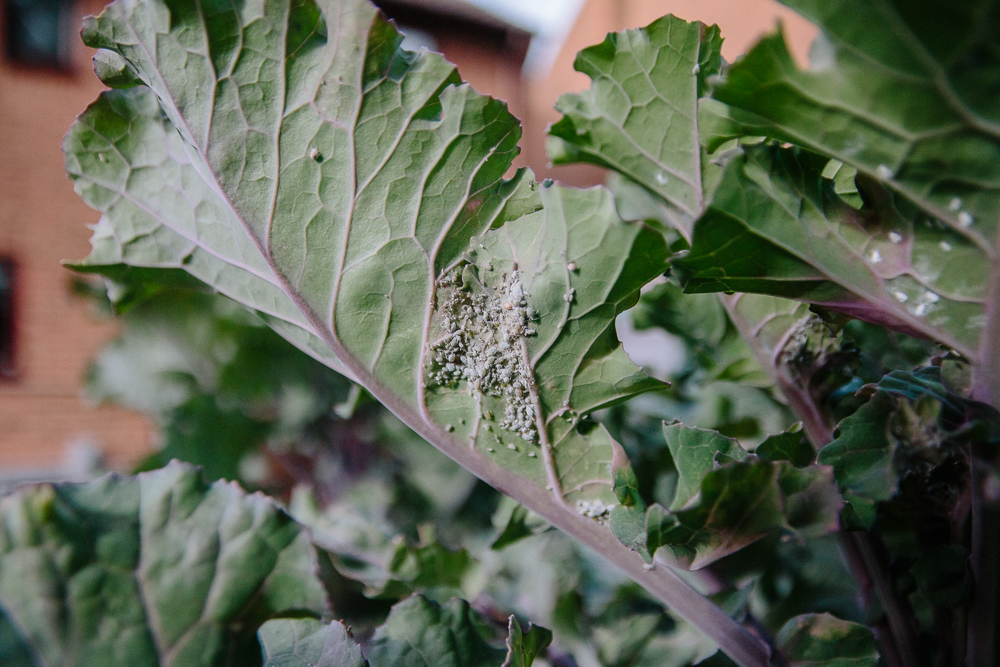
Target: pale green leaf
column 154, row 570
column 639, row 116
column 308, row 643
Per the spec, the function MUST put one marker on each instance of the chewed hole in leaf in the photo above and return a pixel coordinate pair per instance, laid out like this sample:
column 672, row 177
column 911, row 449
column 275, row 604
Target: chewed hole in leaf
column 479, row 342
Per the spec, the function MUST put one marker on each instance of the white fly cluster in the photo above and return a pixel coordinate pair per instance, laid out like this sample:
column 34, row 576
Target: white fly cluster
column 482, row 346
column 594, row 509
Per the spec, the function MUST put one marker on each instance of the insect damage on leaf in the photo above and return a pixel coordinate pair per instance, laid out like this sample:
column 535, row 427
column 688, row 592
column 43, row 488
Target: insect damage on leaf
column 480, row 343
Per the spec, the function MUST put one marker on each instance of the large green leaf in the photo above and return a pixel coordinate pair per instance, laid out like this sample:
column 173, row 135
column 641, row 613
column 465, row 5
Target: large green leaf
column 905, row 92
column 376, row 274
column 158, row 569
column 640, row 118
column 775, row 225
column 293, row 157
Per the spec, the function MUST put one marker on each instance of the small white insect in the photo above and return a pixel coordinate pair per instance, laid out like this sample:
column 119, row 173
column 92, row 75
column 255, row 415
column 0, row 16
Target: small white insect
column 531, row 455
column 965, row 219
column 895, row 237
column 955, row 205
column 489, row 449
column 512, row 447
column 661, row 178
column 944, row 245
column 920, row 309
column 931, row 297
column 884, row 173
column 571, row 266
column 876, row 257
column 314, row 153
column 696, row 69
column 901, row 297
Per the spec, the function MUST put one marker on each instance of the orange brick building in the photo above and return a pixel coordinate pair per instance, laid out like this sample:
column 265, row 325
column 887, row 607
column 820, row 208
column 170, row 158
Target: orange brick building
column 47, row 336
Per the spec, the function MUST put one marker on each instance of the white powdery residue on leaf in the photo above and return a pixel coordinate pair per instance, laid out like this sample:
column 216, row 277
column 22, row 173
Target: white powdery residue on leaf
column 482, row 346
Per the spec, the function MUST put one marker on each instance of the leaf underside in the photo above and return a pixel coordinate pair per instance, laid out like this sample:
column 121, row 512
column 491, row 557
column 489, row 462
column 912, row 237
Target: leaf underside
column 351, row 193
column 918, row 253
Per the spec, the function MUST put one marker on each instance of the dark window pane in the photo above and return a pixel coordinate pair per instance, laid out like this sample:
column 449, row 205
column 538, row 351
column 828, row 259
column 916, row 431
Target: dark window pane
column 39, row 32
column 7, row 361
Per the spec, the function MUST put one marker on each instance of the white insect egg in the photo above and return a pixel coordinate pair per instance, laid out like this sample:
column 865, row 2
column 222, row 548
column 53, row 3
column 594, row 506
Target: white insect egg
column 876, row 257
column 884, row 172
column 901, row 297
column 955, row 205
column 944, row 245
column 965, row 219
column 314, row 153
column 895, row 237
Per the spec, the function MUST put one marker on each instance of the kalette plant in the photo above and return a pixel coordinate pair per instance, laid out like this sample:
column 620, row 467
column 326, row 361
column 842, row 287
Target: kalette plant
column 292, row 157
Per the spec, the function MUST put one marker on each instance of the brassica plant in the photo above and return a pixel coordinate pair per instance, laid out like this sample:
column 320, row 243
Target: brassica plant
column 291, row 157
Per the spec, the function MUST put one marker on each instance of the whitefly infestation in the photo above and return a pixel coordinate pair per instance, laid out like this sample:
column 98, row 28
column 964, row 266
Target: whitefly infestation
column 483, row 330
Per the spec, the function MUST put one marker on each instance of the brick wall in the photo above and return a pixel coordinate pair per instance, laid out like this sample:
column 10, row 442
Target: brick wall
column 42, row 222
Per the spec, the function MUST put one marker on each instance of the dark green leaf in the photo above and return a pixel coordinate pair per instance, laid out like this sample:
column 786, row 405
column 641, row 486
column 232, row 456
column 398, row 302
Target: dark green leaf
column 942, row 574
column 422, row 633
column 861, row 457
column 694, row 451
column 775, row 226
column 910, row 99
column 789, row 446
column 822, row 640
column 737, row 505
column 522, row 649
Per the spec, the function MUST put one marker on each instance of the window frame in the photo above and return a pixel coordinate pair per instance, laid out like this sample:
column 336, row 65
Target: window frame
column 61, row 61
